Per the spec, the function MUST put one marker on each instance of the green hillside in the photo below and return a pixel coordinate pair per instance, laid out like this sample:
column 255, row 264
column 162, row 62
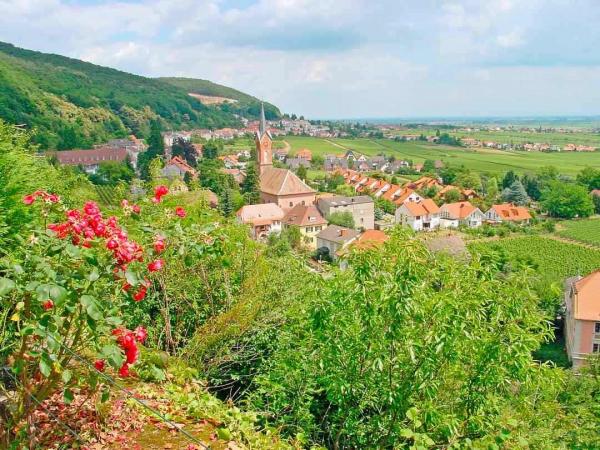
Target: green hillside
column 72, row 103
column 246, row 105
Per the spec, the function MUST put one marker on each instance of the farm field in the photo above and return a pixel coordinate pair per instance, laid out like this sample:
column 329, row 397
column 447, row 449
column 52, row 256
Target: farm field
column 585, row 230
column 480, row 160
column 518, row 137
column 553, row 260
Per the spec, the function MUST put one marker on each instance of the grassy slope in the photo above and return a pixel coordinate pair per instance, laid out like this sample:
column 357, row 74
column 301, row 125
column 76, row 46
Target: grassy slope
column 583, row 230
column 482, row 160
column 56, row 94
column 246, row 104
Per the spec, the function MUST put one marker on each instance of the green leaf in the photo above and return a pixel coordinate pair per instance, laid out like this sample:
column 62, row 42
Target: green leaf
column 66, row 375
column 53, row 291
column 94, row 274
column 113, row 355
column 6, row 285
column 45, row 367
column 131, row 277
column 68, row 396
column 224, row 434
column 105, row 395
column 87, row 300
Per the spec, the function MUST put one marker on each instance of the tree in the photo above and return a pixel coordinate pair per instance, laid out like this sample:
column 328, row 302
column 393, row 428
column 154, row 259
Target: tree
column 509, row 178
column 567, row 200
column 375, row 362
column 428, row 166
column 302, row 172
column 590, row 178
column 452, row 196
column 469, row 180
column 532, row 185
column 185, row 150
column 111, row 172
column 227, row 203
column 345, row 190
column 516, row 194
column 212, row 149
column 251, row 185
column 491, row 188
column 596, row 200
column 156, row 149
column 343, row 219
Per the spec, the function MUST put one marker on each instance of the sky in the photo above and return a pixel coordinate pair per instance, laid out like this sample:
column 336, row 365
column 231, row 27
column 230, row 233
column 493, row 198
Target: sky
column 341, row 58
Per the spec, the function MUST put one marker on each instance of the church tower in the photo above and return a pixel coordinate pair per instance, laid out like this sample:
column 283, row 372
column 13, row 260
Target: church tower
column 264, row 142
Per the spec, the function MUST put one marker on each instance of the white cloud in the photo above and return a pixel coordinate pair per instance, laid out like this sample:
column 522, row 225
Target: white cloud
column 333, row 58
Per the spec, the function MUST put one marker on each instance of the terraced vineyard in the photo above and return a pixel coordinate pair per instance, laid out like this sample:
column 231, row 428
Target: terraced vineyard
column 586, row 230
column 107, row 195
column 553, row 260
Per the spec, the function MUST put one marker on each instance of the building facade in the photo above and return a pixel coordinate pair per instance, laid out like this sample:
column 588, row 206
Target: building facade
column 361, row 207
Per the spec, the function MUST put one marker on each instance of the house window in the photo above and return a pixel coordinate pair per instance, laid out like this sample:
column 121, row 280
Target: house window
column 309, row 229
column 318, row 228
column 291, row 204
column 596, row 348
column 303, row 202
column 597, row 328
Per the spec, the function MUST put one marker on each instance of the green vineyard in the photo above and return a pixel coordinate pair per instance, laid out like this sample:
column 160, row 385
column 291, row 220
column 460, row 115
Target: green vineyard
column 554, row 261
column 586, row 230
column 107, row 195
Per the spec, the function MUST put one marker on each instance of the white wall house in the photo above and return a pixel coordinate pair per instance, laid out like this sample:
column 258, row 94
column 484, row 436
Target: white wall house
column 423, row 215
column 460, row 213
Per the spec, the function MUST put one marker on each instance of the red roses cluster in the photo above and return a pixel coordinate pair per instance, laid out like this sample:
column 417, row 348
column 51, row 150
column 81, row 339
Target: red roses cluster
column 48, row 198
column 159, row 193
column 128, row 341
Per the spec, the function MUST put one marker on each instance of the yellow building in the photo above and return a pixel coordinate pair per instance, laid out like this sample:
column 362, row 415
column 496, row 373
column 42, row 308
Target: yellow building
column 309, row 220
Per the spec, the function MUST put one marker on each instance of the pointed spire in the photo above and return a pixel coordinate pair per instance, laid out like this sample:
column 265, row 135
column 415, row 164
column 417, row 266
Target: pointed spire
column 263, row 122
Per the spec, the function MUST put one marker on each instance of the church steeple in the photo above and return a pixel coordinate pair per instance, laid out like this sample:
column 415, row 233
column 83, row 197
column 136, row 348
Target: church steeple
column 263, row 123
column 264, row 156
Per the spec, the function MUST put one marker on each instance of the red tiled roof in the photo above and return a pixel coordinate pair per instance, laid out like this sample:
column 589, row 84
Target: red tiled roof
column 90, row 157
column 304, row 215
column 422, row 208
column 459, row 210
column 510, row 212
column 182, row 165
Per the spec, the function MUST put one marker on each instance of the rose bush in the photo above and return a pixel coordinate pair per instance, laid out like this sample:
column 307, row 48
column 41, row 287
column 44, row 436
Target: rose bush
column 68, row 288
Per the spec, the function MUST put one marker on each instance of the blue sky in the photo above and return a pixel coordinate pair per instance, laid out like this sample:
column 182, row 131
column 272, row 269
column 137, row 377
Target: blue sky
column 342, row 58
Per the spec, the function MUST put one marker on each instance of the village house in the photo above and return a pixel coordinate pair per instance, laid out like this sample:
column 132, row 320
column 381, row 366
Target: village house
column 91, row 159
column 421, row 215
column 460, row 213
column 280, row 186
column 425, row 183
column 177, row 167
column 309, row 220
column 361, row 207
column 304, row 153
column 334, row 238
column 171, row 136
column 582, row 317
column 264, row 219
column 508, row 212
column 295, row 163
column 238, row 175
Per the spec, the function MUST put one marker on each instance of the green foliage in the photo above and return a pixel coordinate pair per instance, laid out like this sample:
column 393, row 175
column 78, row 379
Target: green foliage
column 251, row 185
column 515, row 194
column 552, row 261
column 452, row 196
column 112, row 172
column 245, row 105
column 212, row 149
column 343, row 219
column 185, row 150
column 381, row 350
column 567, row 200
column 41, row 90
column 509, row 178
column 589, row 177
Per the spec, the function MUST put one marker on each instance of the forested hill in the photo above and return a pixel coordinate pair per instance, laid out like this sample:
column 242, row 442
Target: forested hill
column 245, row 104
column 73, row 103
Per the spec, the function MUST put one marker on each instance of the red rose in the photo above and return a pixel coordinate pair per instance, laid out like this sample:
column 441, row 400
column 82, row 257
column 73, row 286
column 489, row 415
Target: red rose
column 53, row 198
column 156, row 265
column 28, row 199
column 48, row 304
column 140, row 294
column 140, row 334
column 124, row 370
column 161, row 190
column 111, row 244
column 159, row 245
column 99, row 365
column 136, row 209
column 180, row 212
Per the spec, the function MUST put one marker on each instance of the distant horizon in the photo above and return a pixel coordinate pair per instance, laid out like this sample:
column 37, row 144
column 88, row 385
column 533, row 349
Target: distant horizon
column 465, row 119
column 326, row 58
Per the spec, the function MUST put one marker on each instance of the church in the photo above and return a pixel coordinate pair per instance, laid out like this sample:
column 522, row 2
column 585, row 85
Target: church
column 280, row 186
